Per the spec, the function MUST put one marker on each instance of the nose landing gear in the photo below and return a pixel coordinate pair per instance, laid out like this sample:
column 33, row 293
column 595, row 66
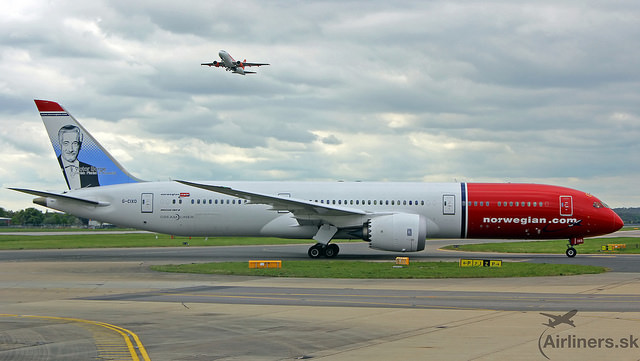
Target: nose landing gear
column 571, row 252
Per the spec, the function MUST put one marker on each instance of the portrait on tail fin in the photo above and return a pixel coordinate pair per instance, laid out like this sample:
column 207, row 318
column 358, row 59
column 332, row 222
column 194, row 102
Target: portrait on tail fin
column 77, row 174
column 84, row 162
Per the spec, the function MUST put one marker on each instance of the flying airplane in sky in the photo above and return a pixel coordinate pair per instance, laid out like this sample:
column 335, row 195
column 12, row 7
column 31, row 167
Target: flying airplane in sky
column 556, row 320
column 230, row 64
column 392, row 216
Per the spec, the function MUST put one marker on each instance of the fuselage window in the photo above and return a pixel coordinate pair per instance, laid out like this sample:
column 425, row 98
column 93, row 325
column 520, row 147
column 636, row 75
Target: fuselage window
column 193, row 201
column 179, row 201
column 174, row 201
column 351, row 201
column 393, row 203
column 422, row 203
column 510, row 204
column 404, row 203
column 410, row 202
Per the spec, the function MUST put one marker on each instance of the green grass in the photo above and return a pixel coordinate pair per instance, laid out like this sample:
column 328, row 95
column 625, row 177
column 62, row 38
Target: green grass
column 316, row 268
column 61, row 229
column 358, row 269
column 128, row 240
column 590, row 246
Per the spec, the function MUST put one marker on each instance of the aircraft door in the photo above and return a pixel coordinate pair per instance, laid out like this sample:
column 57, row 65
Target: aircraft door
column 566, row 206
column 448, row 204
column 146, row 202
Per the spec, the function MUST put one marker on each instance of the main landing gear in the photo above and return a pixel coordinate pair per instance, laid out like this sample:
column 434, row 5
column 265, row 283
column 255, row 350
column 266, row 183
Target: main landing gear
column 323, row 250
column 323, row 237
column 571, row 252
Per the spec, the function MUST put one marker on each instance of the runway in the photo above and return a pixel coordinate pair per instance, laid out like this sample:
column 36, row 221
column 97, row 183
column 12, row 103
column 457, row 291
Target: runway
column 72, row 293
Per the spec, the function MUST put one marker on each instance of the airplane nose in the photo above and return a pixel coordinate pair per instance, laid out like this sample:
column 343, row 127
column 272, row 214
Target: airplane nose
column 617, row 222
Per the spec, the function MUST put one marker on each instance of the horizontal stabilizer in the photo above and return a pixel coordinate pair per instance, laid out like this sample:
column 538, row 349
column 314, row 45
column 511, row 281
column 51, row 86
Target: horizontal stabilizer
column 61, row 196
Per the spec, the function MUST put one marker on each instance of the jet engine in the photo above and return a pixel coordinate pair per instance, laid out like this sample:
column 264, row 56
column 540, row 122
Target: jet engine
column 401, row 232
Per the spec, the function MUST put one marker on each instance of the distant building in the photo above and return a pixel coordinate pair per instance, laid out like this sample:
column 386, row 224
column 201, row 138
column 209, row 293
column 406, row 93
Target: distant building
column 5, row 222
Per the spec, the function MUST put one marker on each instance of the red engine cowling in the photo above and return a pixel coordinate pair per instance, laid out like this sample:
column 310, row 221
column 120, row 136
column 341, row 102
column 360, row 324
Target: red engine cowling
column 401, row 232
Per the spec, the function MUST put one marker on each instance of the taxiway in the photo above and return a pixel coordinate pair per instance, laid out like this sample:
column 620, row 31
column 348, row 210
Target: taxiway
column 59, row 304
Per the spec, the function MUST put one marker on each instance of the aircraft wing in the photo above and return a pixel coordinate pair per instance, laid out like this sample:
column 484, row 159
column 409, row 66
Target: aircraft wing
column 254, row 64
column 60, row 196
column 550, row 315
column 298, row 207
column 211, row 64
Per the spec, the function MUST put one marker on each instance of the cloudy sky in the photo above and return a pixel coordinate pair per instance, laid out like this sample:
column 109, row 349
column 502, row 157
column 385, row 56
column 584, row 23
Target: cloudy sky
column 504, row 91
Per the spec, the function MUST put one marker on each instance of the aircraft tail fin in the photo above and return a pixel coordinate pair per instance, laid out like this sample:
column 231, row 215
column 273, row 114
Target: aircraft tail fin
column 84, row 162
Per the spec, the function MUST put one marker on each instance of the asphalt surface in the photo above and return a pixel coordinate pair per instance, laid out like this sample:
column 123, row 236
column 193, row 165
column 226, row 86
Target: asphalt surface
column 98, row 303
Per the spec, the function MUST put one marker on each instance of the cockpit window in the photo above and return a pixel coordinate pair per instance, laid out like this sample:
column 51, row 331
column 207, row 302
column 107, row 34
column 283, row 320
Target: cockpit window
column 598, row 204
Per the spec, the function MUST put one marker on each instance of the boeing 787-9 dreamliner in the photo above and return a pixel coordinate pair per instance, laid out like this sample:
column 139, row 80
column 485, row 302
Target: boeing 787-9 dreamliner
column 392, row 216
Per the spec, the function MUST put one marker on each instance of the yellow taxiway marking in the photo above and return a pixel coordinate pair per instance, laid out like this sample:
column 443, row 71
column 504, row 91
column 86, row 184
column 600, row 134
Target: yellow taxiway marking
column 136, row 351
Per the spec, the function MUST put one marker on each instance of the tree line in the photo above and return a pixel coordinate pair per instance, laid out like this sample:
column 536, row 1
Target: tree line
column 34, row 217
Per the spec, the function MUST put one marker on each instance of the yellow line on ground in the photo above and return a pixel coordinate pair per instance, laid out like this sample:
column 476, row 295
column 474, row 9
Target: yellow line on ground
column 127, row 335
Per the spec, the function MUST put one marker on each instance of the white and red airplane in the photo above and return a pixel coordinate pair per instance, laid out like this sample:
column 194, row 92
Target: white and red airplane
column 230, row 64
column 390, row 216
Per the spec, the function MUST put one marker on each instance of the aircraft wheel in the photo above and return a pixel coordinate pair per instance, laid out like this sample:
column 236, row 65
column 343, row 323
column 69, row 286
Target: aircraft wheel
column 331, row 251
column 571, row 252
column 315, row 251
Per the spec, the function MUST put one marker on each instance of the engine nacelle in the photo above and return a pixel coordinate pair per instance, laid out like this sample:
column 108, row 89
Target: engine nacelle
column 400, row 232
column 238, row 63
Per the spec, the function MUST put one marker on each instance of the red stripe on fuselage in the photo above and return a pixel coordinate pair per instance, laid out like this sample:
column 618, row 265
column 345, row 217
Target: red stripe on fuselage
column 534, row 211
